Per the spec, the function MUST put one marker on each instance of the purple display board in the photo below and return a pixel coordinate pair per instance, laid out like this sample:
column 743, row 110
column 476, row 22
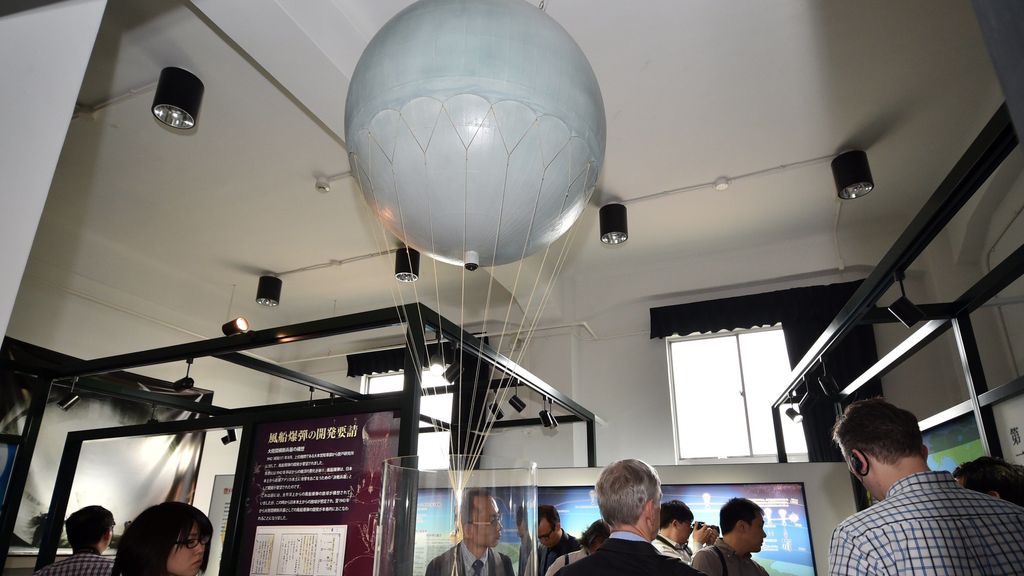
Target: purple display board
column 314, row 494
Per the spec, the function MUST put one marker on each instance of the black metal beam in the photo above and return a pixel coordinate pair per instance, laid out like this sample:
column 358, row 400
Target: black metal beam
column 1009, row 390
column 996, row 140
column 99, row 386
column 970, row 359
column 880, row 315
column 916, row 341
column 780, row 440
column 946, row 415
column 22, row 461
column 219, row 346
column 524, row 422
column 507, row 365
column 990, row 285
column 279, row 371
column 415, row 358
column 591, row 444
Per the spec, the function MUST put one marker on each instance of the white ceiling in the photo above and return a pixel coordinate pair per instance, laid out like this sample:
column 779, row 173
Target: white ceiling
column 693, row 90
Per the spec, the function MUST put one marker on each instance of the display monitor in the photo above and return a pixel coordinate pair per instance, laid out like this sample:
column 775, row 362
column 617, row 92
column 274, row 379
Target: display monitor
column 787, row 544
column 953, row 442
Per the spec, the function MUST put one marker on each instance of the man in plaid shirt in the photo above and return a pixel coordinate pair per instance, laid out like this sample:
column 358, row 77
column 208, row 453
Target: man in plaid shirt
column 926, row 523
column 89, row 532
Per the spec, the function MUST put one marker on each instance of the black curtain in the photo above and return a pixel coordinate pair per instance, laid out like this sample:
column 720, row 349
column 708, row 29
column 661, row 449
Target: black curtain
column 804, row 313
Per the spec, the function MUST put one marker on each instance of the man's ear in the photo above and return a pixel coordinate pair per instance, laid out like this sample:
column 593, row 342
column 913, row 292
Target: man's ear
column 924, row 451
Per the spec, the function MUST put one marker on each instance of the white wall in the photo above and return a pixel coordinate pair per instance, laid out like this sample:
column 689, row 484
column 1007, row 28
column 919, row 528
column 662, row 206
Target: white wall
column 622, row 374
column 43, row 55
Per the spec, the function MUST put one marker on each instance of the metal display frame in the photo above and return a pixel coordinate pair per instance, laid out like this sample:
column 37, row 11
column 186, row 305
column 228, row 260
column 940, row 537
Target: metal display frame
column 993, row 144
column 415, row 317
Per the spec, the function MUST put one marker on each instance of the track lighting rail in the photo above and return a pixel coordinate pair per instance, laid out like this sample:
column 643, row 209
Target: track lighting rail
column 985, row 154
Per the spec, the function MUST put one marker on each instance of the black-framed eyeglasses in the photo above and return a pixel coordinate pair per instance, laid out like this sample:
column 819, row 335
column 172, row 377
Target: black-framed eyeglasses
column 191, row 543
column 546, row 535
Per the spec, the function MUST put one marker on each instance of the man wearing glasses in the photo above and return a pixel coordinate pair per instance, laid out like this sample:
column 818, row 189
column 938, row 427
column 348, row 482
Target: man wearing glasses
column 481, row 531
column 89, row 532
column 676, row 527
column 555, row 542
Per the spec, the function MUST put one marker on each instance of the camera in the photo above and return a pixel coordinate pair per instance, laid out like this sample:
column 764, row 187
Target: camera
column 698, row 525
column 472, row 260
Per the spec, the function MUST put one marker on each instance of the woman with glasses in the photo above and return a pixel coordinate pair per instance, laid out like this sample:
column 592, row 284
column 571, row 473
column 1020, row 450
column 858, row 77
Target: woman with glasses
column 169, row 539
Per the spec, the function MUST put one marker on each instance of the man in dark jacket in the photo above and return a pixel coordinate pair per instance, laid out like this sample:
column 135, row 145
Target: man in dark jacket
column 629, row 495
column 555, row 542
column 481, row 530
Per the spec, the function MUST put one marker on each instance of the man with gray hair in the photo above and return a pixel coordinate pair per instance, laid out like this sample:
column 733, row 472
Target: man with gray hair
column 629, row 495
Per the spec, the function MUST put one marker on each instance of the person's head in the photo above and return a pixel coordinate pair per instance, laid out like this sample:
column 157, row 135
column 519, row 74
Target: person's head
column 676, row 520
column 549, row 526
column 881, row 443
column 993, row 476
column 90, row 529
column 742, row 524
column 169, row 539
column 522, row 529
column 481, row 520
column 595, row 535
column 629, row 495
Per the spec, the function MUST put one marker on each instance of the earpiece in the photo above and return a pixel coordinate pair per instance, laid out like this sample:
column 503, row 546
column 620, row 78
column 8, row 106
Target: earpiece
column 858, row 463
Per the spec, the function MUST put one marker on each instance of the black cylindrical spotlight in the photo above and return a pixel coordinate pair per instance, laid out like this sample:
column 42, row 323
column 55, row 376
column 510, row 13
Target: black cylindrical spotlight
column 794, row 415
column 852, row 174
column 407, row 264
column 178, row 97
column 613, row 224
column 516, row 402
column 268, row 291
column 453, row 374
column 237, row 326
column 547, row 419
column 496, row 411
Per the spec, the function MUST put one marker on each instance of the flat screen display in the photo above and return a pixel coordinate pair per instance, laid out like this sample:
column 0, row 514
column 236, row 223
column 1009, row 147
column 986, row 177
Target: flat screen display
column 787, row 544
column 952, row 443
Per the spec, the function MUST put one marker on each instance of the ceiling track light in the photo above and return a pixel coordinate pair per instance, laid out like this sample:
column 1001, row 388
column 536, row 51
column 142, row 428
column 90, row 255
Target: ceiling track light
column 516, row 402
column 179, row 94
column 852, row 174
column 186, row 382
column 68, row 401
column 903, row 309
column 547, row 419
column 229, row 437
column 794, row 414
column 453, row 374
column 237, row 326
column 268, row 291
column 407, row 264
column 613, row 224
column 495, row 410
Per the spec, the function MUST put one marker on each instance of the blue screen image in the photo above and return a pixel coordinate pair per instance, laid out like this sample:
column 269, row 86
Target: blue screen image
column 787, row 544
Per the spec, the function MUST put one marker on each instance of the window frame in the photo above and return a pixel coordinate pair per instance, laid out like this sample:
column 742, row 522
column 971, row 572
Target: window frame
column 753, row 459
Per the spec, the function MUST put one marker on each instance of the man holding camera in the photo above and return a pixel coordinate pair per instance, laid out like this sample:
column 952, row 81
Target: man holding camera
column 674, row 533
column 742, row 524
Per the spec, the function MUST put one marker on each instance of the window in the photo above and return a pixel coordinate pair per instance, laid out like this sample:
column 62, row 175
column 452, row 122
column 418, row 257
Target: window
column 433, row 446
column 723, row 387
